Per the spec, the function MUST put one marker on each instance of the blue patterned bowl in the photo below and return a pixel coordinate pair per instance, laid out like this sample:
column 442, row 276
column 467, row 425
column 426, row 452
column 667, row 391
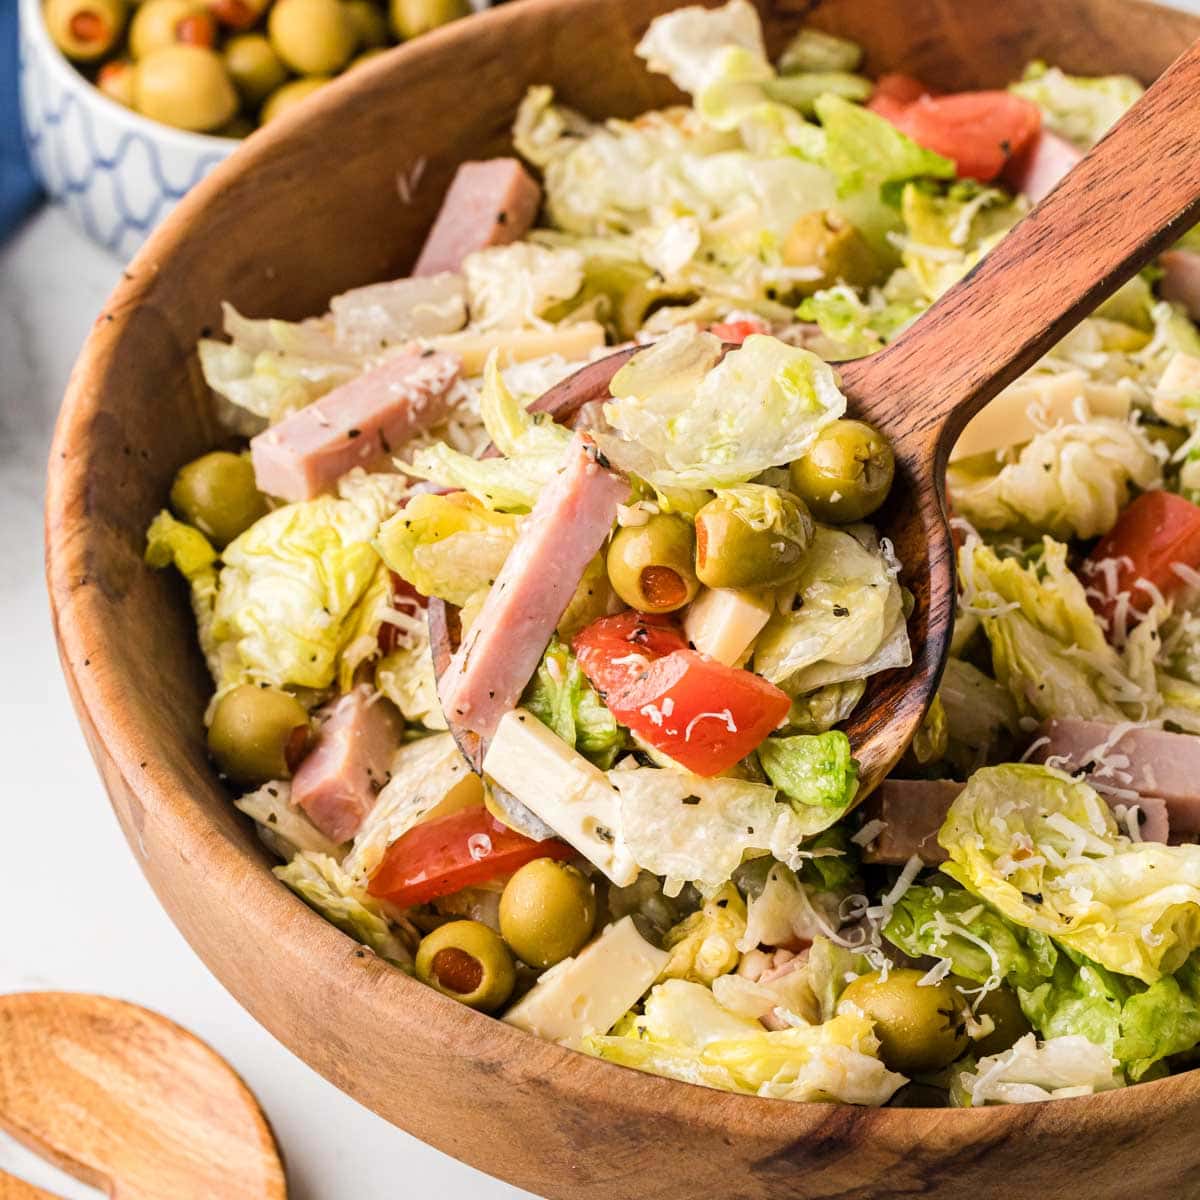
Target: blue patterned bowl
column 118, row 173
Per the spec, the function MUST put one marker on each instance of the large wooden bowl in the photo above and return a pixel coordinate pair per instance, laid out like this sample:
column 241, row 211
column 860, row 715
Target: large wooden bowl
column 310, row 208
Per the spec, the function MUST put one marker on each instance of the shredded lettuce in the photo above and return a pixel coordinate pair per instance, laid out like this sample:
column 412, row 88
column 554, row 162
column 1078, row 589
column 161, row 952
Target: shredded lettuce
column 816, row 773
column 684, row 1033
column 1045, row 851
column 704, row 945
column 510, row 287
column 406, row 677
column 561, row 698
column 283, row 827
column 1080, row 108
column 816, row 50
column 1033, row 1071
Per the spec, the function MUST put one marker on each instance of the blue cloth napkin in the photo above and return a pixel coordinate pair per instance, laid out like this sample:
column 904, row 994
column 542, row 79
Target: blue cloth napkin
column 19, row 191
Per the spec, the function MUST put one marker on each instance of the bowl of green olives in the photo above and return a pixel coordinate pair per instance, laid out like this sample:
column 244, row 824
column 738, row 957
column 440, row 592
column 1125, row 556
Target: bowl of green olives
column 127, row 104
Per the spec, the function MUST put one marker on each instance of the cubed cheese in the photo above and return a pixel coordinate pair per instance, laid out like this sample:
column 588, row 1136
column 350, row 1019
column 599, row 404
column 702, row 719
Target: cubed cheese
column 590, row 993
column 1031, row 404
column 571, row 795
column 1177, row 396
column 723, row 623
column 574, row 342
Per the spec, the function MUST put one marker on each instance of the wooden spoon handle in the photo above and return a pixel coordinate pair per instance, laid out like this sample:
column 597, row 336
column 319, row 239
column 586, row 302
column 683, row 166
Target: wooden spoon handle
column 1134, row 194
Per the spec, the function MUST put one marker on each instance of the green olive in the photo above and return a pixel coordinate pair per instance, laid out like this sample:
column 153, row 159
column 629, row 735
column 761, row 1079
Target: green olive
column 650, row 566
column 369, row 24
column 828, row 243
column 847, row 472
column 85, row 30
column 216, row 493
column 920, row 1027
column 752, row 536
column 313, row 37
column 468, row 961
column 116, row 81
column 258, row 734
column 1170, row 436
column 159, row 23
column 238, row 14
column 413, row 17
column 365, row 56
column 288, row 96
column 547, row 912
column 1009, row 1022
column 253, row 66
column 185, row 86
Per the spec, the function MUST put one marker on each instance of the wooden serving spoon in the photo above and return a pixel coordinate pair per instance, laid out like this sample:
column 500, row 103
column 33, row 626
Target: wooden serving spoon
column 128, row 1102
column 1131, row 197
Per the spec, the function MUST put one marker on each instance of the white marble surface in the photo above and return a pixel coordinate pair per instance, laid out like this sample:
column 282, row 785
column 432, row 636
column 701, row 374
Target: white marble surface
column 75, row 912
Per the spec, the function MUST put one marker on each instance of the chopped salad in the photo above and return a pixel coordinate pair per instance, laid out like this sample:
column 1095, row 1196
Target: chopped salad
column 664, row 608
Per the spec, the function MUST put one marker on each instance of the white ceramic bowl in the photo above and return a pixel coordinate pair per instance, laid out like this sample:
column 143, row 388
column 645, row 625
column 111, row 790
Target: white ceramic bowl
column 118, row 173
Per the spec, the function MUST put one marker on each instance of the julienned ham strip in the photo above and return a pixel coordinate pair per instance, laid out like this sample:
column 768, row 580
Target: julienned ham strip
column 339, row 780
column 1181, row 279
column 354, row 425
column 913, row 810
column 489, row 203
column 1040, row 170
column 563, row 533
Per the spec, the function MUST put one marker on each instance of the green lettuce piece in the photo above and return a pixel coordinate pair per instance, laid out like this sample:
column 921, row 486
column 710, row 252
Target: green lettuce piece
column 834, row 864
column 173, row 543
column 854, row 326
column 821, row 710
column 704, row 945
column 848, row 621
column 322, row 884
column 406, row 677
column 1048, row 649
column 690, row 46
column 801, row 91
column 944, row 921
column 1080, row 997
column 816, row 773
column 863, row 148
column 817, row 51
column 1071, row 481
column 686, row 1034
column 562, row 699
column 450, row 547
column 1046, row 852
column 1161, row 1021
column 981, row 717
column 674, row 423
column 1080, row 108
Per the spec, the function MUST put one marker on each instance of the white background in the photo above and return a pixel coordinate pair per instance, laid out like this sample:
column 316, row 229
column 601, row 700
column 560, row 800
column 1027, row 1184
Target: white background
column 75, row 912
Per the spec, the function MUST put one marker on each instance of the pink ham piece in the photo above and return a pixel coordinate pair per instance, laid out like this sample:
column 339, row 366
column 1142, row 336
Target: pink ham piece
column 1162, row 768
column 568, row 525
column 489, row 203
column 1181, row 279
column 338, row 781
column 912, row 812
column 355, row 425
column 1037, row 173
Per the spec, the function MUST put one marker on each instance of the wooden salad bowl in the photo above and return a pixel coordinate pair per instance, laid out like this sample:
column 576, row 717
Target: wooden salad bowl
column 308, row 208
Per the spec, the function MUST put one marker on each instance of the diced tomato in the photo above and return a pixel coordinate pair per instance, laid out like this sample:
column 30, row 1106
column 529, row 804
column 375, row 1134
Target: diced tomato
column 980, row 131
column 1156, row 531
column 439, row 857
column 703, row 714
column 894, row 93
column 737, row 331
column 613, row 651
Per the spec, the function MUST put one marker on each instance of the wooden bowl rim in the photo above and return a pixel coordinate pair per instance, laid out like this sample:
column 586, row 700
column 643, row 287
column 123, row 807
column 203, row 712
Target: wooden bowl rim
column 238, row 875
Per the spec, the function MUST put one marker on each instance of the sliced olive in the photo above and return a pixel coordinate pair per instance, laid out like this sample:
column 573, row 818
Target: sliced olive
column 313, row 37
column 547, row 912
column 258, row 734
column 833, row 249
column 650, row 565
column 847, row 472
column 468, row 961
column 920, row 1027
column 159, row 23
column 369, row 24
column 216, row 493
column 750, row 537
column 1008, row 1021
column 85, row 30
column 185, row 86
column 287, row 97
column 413, row 17
column 256, row 70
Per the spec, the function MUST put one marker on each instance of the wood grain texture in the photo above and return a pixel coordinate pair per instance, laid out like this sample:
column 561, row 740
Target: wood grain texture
column 129, row 1102
column 309, row 208
column 12, row 1188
